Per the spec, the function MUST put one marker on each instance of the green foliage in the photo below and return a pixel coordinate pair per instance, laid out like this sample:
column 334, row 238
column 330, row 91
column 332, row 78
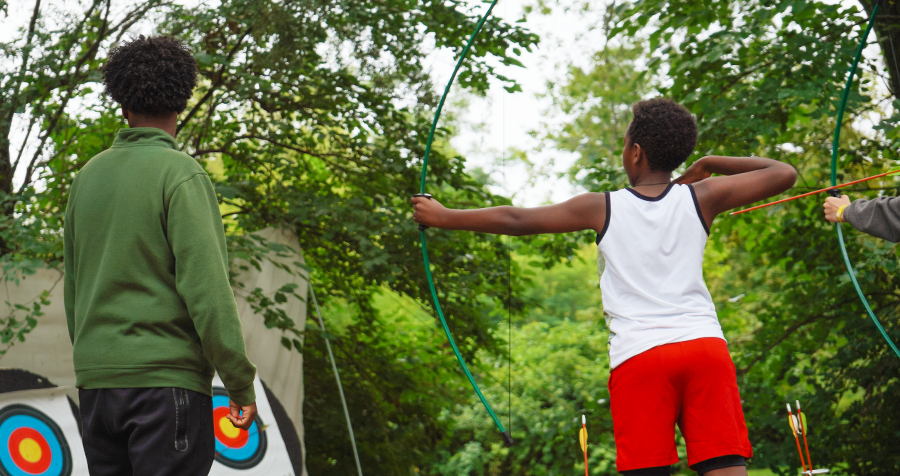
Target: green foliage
column 14, row 327
column 28, row 244
column 599, row 105
column 559, row 371
column 398, row 373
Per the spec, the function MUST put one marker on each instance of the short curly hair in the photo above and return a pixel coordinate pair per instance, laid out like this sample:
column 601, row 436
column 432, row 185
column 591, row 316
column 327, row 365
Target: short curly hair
column 151, row 76
column 665, row 130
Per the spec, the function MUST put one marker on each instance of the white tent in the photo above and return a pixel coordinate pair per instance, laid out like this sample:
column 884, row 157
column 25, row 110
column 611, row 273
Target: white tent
column 47, row 350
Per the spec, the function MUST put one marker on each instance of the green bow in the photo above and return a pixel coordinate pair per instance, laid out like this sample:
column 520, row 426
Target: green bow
column 834, row 156
column 507, row 438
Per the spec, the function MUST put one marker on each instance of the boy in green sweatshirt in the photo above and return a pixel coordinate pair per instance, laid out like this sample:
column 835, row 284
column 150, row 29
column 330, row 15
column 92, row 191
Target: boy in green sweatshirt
column 149, row 306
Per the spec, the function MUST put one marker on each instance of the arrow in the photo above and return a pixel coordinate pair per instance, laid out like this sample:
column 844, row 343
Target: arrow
column 795, row 425
column 833, row 187
column 582, row 438
column 803, row 430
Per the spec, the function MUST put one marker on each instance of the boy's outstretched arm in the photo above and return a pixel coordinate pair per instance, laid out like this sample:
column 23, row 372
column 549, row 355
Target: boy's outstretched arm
column 584, row 212
column 744, row 180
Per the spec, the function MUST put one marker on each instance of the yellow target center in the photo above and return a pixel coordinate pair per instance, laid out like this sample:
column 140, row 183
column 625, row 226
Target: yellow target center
column 228, row 429
column 30, row 450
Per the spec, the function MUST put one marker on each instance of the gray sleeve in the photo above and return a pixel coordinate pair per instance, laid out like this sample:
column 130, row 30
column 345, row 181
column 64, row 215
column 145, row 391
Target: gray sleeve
column 879, row 217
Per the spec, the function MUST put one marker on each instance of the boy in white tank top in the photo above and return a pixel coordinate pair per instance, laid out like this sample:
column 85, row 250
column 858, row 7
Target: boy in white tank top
column 670, row 364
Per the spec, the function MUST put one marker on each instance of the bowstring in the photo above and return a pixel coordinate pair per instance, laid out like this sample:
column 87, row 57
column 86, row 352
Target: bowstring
column 508, row 259
column 508, row 262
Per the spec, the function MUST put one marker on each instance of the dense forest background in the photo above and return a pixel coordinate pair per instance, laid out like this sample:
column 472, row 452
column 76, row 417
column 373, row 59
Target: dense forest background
column 312, row 115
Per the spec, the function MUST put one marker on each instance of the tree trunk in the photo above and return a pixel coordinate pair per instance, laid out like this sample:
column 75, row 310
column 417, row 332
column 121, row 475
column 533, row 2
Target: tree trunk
column 6, row 171
column 887, row 32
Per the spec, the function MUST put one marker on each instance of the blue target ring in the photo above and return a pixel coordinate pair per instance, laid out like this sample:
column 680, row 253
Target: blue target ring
column 32, row 444
column 238, row 449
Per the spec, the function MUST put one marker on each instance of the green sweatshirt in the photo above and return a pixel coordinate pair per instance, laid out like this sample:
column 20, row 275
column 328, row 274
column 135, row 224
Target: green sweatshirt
column 147, row 296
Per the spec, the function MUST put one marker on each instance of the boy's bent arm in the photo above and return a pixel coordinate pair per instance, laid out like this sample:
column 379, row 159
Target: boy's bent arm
column 584, row 212
column 197, row 238
column 744, row 180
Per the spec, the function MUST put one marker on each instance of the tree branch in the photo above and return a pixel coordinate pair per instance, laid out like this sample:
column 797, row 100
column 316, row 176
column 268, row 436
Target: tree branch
column 217, row 81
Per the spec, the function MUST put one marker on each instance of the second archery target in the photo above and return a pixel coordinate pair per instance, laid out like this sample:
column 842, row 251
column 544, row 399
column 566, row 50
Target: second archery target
column 236, row 448
column 261, row 450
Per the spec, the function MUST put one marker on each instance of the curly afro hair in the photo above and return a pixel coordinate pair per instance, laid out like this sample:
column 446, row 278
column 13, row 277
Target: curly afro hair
column 665, row 130
column 151, row 76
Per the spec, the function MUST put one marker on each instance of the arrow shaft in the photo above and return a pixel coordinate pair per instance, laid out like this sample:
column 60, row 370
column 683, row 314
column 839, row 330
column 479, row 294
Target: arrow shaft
column 794, row 426
column 583, row 426
column 833, row 187
column 800, row 452
column 805, row 444
column 585, row 464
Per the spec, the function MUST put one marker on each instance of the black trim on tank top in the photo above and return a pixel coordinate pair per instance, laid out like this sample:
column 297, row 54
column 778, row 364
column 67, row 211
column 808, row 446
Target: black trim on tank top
column 605, row 222
column 652, row 199
column 697, row 206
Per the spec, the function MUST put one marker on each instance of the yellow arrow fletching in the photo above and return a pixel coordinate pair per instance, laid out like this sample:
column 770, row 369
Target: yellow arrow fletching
column 582, row 438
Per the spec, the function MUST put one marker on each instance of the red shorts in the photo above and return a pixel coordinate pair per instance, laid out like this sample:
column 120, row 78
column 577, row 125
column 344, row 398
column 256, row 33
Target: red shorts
column 691, row 383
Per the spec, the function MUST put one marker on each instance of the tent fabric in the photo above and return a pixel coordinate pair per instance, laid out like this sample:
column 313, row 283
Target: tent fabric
column 47, row 350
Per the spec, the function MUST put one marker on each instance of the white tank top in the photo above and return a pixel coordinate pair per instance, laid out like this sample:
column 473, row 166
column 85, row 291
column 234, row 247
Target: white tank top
column 652, row 278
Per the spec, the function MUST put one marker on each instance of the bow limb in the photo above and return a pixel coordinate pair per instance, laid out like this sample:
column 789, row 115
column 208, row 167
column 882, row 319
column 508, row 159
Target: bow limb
column 834, row 155
column 507, row 438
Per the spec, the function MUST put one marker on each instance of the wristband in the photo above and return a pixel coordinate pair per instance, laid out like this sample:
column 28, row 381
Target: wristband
column 840, row 212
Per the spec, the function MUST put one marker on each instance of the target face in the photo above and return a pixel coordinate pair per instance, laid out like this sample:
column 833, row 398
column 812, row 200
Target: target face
column 32, row 444
column 236, row 448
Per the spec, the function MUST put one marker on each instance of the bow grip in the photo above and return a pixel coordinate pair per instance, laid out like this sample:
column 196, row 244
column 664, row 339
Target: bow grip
column 835, row 193
column 428, row 196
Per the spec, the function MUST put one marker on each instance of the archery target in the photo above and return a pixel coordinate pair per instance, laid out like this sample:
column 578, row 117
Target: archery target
column 34, row 444
column 236, row 448
column 257, row 451
column 37, row 435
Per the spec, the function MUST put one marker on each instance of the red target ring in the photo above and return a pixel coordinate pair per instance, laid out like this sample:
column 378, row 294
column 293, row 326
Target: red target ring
column 226, row 433
column 30, row 450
